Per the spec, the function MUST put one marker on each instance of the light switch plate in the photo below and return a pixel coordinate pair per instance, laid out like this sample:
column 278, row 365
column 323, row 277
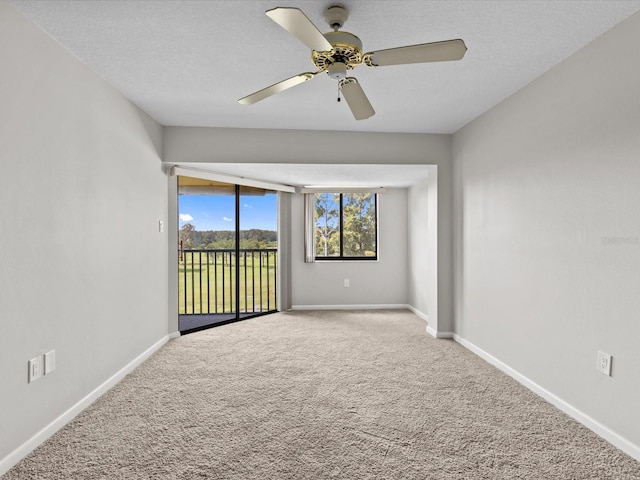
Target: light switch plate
column 49, row 362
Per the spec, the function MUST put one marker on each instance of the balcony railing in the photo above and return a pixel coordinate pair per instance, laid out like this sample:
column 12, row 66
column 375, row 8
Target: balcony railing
column 208, row 281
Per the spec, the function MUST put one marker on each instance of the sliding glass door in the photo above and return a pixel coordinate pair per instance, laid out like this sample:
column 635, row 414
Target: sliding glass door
column 258, row 250
column 227, row 252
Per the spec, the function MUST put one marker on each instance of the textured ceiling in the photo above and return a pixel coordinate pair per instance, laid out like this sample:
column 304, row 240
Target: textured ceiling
column 187, row 62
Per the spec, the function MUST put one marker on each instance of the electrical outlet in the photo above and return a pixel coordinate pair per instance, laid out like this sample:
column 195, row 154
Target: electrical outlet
column 49, row 362
column 346, row 282
column 35, row 369
column 604, row 363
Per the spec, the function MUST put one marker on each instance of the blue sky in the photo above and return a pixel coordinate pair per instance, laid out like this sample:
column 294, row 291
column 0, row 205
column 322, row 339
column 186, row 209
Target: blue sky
column 217, row 212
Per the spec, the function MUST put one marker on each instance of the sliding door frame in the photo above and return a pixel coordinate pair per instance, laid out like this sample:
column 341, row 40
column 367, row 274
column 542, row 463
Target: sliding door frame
column 283, row 267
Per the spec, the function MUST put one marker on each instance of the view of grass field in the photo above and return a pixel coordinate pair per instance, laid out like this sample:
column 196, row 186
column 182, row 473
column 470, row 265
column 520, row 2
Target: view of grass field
column 206, row 281
column 228, row 244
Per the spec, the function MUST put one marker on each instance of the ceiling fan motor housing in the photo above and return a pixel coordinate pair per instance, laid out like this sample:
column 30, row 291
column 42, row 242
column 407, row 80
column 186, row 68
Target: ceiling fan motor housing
column 347, row 51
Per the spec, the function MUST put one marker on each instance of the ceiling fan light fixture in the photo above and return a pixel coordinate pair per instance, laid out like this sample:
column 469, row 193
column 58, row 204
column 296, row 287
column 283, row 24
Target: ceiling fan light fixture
column 337, row 70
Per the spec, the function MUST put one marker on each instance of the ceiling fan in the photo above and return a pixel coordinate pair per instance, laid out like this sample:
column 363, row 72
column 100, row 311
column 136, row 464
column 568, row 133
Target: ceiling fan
column 337, row 52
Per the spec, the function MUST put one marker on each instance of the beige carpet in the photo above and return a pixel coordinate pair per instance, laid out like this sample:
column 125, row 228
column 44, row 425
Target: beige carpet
column 315, row 395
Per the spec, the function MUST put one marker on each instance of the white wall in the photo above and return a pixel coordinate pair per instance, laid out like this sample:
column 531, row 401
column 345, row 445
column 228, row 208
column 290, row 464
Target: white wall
column 547, row 231
column 83, row 266
column 381, row 283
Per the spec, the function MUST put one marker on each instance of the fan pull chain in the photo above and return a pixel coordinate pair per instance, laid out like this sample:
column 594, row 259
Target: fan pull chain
column 338, row 92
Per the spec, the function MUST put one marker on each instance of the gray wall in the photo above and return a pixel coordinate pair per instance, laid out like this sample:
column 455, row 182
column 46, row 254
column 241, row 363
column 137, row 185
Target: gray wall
column 224, row 145
column 370, row 283
column 284, row 258
column 547, row 229
column 83, row 266
column 418, row 253
column 248, row 145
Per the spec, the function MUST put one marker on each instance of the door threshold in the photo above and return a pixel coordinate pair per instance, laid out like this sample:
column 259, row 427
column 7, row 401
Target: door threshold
column 197, row 322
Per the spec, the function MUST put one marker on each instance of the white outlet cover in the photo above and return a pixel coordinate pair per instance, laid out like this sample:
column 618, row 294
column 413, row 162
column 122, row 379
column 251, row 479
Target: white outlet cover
column 604, row 363
column 35, row 369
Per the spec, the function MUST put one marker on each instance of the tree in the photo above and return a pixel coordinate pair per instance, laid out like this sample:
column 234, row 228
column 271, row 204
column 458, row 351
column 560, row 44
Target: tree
column 359, row 225
column 193, row 239
column 326, row 222
column 186, row 235
column 345, row 225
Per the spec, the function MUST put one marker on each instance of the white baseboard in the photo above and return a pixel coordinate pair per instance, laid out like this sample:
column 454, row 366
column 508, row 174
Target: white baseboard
column 431, row 331
column 609, row 435
column 27, row 447
column 391, row 306
column 420, row 314
column 434, row 333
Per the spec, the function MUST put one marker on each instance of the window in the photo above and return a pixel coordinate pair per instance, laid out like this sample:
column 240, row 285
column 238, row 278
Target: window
column 345, row 226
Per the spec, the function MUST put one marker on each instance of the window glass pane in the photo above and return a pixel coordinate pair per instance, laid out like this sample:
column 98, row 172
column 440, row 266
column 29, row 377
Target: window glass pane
column 345, row 226
column 359, row 225
column 327, row 225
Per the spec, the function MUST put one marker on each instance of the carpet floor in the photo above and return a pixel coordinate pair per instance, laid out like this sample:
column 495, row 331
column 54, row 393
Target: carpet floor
column 315, row 395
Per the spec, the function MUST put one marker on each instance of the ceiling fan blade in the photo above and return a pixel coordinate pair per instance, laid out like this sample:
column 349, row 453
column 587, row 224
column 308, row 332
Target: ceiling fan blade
column 294, row 21
column 426, row 52
column 277, row 88
column 356, row 98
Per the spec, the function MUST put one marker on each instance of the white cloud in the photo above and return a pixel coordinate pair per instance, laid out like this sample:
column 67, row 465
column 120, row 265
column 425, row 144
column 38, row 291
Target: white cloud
column 227, row 219
column 246, row 205
column 185, row 217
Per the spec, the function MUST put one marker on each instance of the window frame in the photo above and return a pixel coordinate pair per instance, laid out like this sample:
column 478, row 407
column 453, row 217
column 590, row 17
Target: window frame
column 341, row 257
